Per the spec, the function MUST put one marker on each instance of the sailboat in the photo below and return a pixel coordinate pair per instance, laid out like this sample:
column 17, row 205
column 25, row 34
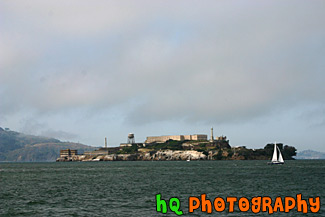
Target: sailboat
column 276, row 159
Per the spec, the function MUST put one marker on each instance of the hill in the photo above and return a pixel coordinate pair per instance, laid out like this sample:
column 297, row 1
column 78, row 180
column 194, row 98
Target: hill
column 310, row 154
column 15, row 146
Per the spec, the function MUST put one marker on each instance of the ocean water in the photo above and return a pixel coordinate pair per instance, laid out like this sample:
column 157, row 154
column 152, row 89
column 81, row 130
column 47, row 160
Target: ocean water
column 129, row 188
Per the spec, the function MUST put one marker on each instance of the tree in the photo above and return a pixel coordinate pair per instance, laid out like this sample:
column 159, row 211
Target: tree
column 288, row 152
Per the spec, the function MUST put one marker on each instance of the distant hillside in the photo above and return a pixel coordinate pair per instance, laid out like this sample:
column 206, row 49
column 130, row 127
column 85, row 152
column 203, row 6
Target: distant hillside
column 16, row 146
column 310, row 154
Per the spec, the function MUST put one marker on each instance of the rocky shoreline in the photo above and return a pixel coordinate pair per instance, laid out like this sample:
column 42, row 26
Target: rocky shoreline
column 162, row 155
column 165, row 155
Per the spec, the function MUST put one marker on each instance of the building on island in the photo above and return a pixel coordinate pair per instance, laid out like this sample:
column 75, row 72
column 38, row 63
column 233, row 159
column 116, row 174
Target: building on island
column 68, row 152
column 221, row 138
column 103, row 151
column 139, row 145
column 162, row 139
column 131, row 138
column 131, row 142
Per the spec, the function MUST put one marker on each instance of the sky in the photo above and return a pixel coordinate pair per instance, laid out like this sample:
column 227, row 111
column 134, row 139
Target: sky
column 81, row 70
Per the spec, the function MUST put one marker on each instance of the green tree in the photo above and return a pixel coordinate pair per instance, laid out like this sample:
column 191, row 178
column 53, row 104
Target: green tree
column 288, row 152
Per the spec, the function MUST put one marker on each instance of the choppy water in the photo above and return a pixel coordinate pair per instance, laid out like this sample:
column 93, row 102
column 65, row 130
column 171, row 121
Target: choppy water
column 129, row 188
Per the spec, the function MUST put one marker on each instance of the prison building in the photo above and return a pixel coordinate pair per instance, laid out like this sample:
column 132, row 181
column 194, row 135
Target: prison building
column 162, row 139
column 68, row 152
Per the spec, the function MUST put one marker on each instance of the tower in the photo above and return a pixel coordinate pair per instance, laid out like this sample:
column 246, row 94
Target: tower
column 105, row 142
column 131, row 139
column 212, row 139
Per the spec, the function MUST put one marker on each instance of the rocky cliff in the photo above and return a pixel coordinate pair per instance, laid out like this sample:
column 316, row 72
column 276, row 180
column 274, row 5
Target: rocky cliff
column 163, row 155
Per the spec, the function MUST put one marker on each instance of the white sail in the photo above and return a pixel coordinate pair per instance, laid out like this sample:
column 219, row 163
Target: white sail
column 276, row 159
column 280, row 156
column 275, row 154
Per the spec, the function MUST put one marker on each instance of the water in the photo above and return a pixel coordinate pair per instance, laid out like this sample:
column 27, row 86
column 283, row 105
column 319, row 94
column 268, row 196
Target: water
column 129, row 188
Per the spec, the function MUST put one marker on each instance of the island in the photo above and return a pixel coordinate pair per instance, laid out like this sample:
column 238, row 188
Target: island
column 177, row 148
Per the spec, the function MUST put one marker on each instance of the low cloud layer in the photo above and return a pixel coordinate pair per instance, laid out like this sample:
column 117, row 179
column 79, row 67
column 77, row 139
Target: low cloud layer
column 154, row 62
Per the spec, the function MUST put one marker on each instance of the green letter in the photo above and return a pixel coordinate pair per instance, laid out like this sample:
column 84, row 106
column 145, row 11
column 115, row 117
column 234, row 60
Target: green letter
column 161, row 203
column 175, row 208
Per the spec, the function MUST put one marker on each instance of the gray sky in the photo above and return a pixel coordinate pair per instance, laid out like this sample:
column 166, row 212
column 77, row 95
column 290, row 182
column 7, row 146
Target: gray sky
column 80, row 70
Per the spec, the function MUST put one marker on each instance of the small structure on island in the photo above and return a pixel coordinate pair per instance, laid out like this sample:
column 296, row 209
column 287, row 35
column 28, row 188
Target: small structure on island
column 131, row 142
column 103, row 151
column 131, row 139
column 219, row 142
column 221, row 138
column 212, row 139
column 68, row 152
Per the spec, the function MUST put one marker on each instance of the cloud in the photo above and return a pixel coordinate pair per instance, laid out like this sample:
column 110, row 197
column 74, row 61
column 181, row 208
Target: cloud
column 313, row 115
column 187, row 61
column 218, row 70
column 59, row 134
column 41, row 128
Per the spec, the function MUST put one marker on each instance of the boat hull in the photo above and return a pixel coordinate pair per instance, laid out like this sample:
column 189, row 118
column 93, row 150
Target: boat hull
column 271, row 163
